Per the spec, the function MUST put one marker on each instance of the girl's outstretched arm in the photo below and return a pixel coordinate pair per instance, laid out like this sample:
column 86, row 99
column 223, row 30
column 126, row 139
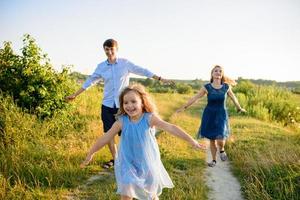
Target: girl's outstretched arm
column 200, row 94
column 117, row 126
column 174, row 130
column 235, row 100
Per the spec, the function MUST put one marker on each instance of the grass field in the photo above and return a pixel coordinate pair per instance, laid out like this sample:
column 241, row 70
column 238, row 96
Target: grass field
column 40, row 160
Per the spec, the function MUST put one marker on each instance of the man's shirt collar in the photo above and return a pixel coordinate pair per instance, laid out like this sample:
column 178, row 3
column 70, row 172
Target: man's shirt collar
column 107, row 62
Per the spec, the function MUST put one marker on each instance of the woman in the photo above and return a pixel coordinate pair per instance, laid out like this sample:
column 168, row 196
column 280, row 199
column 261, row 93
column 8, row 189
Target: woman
column 214, row 125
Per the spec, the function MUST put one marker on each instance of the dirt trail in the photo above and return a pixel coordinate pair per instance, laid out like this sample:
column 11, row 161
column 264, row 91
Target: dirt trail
column 223, row 185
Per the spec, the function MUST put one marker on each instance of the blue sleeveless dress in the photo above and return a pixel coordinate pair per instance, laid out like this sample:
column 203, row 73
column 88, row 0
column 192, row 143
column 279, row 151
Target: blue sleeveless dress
column 214, row 123
column 138, row 168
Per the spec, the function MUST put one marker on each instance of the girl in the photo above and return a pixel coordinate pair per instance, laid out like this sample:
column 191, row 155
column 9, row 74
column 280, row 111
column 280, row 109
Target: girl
column 214, row 125
column 139, row 171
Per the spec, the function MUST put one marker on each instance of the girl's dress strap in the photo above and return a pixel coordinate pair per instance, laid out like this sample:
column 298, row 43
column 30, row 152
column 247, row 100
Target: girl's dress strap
column 148, row 116
column 122, row 118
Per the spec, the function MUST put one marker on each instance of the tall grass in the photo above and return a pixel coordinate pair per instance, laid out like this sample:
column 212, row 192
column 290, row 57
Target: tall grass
column 265, row 155
column 39, row 159
column 185, row 165
column 266, row 158
column 268, row 103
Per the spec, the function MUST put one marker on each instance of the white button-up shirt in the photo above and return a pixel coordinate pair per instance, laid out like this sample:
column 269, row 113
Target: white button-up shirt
column 116, row 78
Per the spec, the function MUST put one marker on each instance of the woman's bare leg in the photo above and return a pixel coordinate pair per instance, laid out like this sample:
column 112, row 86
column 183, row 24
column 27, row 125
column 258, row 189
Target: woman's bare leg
column 221, row 144
column 213, row 149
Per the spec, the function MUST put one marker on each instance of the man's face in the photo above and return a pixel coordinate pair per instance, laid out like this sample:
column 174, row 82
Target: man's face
column 111, row 52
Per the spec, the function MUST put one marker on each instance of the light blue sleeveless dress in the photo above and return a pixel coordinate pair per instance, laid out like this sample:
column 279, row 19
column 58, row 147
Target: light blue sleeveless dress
column 138, row 168
column 214, row 124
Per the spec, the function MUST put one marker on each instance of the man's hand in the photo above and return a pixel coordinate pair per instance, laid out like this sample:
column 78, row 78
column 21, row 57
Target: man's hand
column 167, row 81
column 70, row 98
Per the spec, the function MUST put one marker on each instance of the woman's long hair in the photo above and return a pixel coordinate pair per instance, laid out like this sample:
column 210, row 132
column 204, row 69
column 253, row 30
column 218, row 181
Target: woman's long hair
column 224, row 78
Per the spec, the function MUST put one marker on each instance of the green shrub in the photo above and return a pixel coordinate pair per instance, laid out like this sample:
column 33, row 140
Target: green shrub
column 161, row 90
column 31, row 81
column 184, row 89
column 267, row 102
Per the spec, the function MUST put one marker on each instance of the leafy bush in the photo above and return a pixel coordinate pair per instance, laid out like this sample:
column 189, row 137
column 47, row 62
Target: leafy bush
column 161, row 90
column 158, row 87
column 37, row 154
column 184, row 89
column 31, row 81
column 268, row 102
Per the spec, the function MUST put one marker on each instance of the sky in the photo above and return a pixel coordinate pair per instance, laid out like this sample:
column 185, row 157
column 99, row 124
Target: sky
column 176, row 39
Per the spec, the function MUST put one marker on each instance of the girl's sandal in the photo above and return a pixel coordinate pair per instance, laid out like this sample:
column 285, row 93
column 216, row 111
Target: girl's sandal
column 108, row 164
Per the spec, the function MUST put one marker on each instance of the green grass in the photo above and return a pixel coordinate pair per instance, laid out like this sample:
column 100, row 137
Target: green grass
column 40, row 160
column 266, row 158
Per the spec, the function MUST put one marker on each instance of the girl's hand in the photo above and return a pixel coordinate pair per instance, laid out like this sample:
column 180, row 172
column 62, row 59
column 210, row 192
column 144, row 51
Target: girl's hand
column 86, row 161
column 179, row 110
column 197, row 145
column 242, row 110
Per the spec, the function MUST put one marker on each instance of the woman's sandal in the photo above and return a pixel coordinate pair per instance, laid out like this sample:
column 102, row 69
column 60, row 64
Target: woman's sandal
column 223, row 156
column 108, row 164
column 212, row 163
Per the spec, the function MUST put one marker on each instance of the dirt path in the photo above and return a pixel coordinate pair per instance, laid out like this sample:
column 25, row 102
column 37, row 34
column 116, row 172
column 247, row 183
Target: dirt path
column 89, row 188
column 223, row 185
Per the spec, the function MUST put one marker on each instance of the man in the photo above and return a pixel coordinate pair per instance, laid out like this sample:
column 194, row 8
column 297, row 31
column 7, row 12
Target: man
column 115, row 72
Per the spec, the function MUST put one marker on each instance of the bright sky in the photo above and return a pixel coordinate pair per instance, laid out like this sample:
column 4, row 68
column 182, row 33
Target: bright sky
column 178, row 39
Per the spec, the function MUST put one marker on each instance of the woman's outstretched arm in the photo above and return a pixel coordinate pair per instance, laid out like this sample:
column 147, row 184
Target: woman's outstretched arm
column 200, row 94
column 235, row 100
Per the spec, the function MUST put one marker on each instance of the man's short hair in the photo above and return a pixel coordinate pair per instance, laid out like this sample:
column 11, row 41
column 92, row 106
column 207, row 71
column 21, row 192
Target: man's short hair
column 110, row 43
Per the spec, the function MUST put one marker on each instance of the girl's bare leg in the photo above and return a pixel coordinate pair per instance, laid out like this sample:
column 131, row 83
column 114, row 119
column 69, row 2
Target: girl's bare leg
column 125, row 197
